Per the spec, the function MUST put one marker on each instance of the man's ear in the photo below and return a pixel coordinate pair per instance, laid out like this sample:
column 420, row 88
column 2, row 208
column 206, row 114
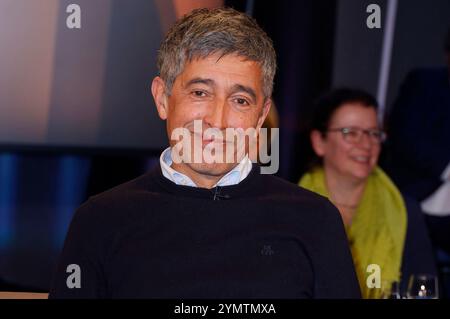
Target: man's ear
column 317, row 142
column 160, row 97
column 265, row 110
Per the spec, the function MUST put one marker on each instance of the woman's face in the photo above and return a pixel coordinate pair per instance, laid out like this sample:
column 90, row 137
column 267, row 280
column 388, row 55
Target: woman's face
column 349, row 156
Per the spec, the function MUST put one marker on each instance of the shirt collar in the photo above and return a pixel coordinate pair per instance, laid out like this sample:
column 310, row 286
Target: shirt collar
column 233, row 177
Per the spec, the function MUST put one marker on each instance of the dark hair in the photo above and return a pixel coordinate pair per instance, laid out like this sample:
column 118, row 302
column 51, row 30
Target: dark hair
column 225, row 31
column 326, row 105
column 324, row 109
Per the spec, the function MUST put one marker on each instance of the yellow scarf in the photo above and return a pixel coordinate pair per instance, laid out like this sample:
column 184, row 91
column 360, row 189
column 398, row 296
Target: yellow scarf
column 378, row 229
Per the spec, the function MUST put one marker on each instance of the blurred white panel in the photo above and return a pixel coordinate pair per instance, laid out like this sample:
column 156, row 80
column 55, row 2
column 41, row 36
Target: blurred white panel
column 27, row 45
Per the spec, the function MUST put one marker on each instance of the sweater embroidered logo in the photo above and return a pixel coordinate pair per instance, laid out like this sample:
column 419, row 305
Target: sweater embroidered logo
column 267, row 250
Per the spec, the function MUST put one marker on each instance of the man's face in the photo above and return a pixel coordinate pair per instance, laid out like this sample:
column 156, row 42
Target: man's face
column 223, row 92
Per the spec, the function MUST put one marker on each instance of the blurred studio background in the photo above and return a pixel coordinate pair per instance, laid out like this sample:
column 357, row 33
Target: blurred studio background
column 77, row 116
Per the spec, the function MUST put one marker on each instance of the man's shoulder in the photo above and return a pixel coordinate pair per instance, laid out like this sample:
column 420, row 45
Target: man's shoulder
column 122, row 199
column 306, row 201
column 281, row 186
column 140, row 184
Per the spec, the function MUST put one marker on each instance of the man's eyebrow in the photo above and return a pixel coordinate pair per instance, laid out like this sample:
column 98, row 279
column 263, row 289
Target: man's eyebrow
column 208, row 82
column 242, row 88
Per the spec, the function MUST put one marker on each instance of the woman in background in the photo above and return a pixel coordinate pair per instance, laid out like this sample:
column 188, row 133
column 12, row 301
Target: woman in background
column 383, row 227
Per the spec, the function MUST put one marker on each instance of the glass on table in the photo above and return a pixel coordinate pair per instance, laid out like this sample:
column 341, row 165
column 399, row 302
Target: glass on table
column 423, row 286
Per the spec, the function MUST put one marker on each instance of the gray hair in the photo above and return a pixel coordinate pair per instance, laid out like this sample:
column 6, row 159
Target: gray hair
column 225, row 31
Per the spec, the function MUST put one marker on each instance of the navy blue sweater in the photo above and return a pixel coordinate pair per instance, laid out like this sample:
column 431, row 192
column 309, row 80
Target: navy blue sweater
column 261, row 238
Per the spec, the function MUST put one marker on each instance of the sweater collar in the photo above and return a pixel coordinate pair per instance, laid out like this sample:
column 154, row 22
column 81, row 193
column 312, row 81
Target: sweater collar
column 233, row 177
column 246, row 186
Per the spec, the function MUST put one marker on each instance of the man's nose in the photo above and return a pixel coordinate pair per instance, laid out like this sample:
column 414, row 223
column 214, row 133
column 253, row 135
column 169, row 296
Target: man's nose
column 216, row 114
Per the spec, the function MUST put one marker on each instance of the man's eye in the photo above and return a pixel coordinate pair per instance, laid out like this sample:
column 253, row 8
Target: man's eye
column 199, row 93
column 242, row 101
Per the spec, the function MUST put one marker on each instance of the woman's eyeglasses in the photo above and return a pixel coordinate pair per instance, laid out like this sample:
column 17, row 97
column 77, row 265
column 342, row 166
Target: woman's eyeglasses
column 353, row 135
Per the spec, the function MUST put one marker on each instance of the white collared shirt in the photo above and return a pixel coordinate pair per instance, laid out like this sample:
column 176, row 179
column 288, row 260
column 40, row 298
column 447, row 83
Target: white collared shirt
column 233, row 177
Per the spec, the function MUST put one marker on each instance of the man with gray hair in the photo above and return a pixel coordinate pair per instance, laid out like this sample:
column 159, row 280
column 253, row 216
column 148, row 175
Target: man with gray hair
column 200, row 228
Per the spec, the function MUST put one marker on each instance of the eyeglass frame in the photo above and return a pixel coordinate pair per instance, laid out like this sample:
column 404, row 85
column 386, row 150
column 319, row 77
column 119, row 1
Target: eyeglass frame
column 345, row 130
